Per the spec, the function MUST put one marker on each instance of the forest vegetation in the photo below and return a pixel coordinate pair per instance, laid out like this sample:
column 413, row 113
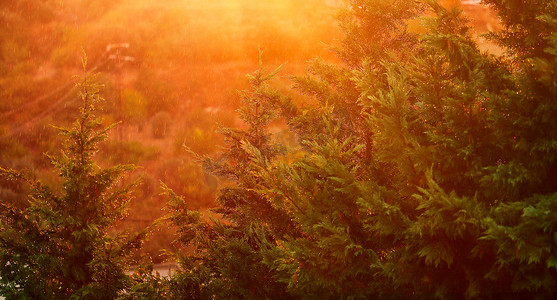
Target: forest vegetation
column 170, row 69
column 377, row 149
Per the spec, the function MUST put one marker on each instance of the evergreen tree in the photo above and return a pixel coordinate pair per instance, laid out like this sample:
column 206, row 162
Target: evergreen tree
column 226, row 261
column 447, row 188
column 428, row 168
column 59, row 246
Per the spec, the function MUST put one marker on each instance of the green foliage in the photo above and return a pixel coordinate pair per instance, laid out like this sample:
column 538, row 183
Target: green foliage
column 145, row 283
column 220, row 250
column 59, row 245
column 427, row 168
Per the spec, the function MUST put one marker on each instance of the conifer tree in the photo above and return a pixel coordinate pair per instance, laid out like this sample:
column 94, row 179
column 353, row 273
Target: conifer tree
column 452, row 166
column 227, row 262
column 59, row 246
column 428, row 167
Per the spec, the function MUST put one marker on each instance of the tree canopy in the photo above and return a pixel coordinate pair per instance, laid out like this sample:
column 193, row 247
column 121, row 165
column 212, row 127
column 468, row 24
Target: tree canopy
column 425, row 167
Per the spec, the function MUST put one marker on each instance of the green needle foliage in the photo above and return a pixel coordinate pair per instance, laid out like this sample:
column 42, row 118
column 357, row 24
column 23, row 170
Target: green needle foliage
column 59, row 246
column 428, row 167
column 223, row 259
